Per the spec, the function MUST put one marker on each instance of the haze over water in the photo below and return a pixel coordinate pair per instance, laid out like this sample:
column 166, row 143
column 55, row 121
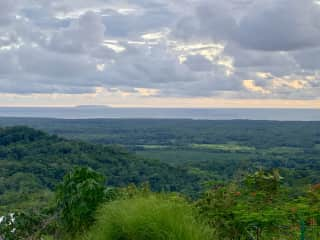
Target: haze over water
column 162, row 113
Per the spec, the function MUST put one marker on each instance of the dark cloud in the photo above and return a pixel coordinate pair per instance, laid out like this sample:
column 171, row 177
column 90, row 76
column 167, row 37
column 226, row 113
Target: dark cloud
column 8, row 64
column 198, row 63
column 56, row 46
column 308, row 59
column 7, row 12
column 267, row 25
column 148, row 67
column 210, row 20
column 56, row 65
column 246, row 60
column 82, row 35
column 135, row 24
column 285, row 25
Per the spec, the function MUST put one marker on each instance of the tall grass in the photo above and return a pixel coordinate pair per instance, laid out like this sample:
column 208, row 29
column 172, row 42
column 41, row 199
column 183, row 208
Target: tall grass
column 148, row 218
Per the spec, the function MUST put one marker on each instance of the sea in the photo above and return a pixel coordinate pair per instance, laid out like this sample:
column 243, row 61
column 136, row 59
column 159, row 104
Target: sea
column 94, row 112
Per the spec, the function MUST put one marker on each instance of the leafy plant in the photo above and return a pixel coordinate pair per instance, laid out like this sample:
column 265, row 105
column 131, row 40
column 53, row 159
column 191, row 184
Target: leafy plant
column 78, row 196
column 155, row 217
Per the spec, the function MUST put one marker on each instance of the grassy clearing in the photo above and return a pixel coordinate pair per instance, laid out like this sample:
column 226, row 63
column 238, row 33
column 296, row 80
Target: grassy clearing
column 223, row 147
column 282, row 151
column 145, row 218
column 150, row 147
column 317, row 147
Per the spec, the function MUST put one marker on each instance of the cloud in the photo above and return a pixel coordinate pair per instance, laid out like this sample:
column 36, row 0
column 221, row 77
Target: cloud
column 246, row 60
column 267, row 25
column 8, row 64
column 56, row 65
column 83, row 34
column 308, row 59
column 251, row 86
column 198, row 63
column 281, row 25
column 160, row 48
column 7, row 10
column 208, row 20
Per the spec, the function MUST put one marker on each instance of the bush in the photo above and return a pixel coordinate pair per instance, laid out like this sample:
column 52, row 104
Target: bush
column 144, row 218
column 78, row 197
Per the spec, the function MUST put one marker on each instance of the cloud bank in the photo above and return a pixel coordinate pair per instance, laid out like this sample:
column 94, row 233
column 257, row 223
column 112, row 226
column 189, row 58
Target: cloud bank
column 237, row 49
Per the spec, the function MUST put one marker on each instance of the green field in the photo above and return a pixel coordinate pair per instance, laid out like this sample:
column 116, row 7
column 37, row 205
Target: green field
column 223, row 147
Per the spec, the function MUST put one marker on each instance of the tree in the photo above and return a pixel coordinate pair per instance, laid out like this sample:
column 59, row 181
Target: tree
column 252, row 210
column 267, row 183
column 217, row 206
column 79, row 195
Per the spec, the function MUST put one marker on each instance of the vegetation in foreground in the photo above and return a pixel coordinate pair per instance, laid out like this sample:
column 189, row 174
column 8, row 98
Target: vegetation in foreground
column 258, row 207
column 148, row 217
column 240, row 203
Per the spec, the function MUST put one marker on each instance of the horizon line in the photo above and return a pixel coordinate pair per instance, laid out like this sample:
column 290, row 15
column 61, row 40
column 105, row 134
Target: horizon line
column 156, row 107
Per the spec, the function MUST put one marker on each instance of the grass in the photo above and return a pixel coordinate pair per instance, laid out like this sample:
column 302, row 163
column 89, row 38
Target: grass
column 145, row 218
column 282, row 151
column 317, row 147
column 150, row 147
column 223, row 147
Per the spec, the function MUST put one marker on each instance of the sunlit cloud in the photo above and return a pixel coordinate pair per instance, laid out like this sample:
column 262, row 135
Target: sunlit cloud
column 101, row 67
column 264, row 75
column 147, row 92
column 114, row 46
column 251, row 86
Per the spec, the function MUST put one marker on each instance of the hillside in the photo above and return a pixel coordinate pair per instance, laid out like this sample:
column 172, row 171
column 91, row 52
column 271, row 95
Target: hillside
column 220, row 149
column 32, row 162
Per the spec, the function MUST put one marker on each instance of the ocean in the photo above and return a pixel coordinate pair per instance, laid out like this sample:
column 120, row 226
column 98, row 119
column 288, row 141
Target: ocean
column 162, row 113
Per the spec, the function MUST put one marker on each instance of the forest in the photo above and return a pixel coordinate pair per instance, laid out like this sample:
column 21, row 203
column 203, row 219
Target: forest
column 65, row 179
column 218, row 150
column 33, row 162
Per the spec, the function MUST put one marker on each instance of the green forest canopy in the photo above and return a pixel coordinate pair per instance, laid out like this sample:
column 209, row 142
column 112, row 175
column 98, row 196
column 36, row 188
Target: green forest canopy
column 33, row 162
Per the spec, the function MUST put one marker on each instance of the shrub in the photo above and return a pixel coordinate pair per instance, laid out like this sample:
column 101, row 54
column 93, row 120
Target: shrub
column 78, row 197
column 150, row 217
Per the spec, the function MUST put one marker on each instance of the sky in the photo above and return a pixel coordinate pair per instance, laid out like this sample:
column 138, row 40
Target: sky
column 160, row 53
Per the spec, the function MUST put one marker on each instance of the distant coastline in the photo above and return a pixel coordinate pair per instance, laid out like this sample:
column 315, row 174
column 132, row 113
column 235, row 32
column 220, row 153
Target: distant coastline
column 90, row 107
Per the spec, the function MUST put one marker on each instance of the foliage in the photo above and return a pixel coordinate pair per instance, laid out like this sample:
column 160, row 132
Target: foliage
column 21, row 226
column 33, row 162
column 264, row 183
column 242, row 204
column 217, row 207
column 78, row 196
column 187, row 153
column 258, row 208
column 154, row 217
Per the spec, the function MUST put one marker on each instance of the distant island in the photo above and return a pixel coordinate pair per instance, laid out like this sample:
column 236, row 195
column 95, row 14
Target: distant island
column 92, row 106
